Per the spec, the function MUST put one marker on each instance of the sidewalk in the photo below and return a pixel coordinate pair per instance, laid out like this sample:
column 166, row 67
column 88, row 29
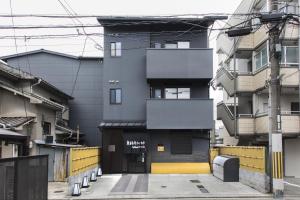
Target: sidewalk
column 155, row 186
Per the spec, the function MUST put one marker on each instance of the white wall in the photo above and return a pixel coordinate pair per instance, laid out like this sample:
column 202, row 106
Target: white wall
column 6, row 150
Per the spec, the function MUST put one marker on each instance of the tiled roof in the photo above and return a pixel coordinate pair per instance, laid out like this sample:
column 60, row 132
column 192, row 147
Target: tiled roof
column 15, row 121
column 10, row 134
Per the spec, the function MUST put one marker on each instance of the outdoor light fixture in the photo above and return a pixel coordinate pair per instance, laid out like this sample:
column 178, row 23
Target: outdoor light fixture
column 76, row 190
column 99, row 172
column 239, row 32
column 93, row 177
column 85, row 182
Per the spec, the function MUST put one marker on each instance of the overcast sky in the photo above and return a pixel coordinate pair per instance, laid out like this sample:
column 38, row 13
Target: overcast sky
column 96, row 7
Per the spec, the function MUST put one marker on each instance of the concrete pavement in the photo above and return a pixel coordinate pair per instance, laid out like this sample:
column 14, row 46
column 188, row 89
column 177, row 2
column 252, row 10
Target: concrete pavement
column 158, row 186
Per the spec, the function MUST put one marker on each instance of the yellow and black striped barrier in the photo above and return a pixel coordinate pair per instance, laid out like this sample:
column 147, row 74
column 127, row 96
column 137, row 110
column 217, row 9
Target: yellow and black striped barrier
column 277, row 165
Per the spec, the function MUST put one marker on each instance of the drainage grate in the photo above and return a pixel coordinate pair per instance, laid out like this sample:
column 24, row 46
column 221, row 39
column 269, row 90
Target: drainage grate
column 202, row 189
column 195, row 181
column 163, row 186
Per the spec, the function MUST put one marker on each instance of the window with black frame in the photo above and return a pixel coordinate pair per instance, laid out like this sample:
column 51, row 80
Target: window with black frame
column 116, row 96
column 115, row 49
column 46, row 128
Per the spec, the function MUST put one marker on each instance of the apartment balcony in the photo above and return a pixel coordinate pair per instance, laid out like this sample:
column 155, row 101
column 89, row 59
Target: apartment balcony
column 244, row 43
column 252, row 82
column 179, row 114
column 179, row 64
column 245, row 123
column 225, row 79
column 290, row 123
column 249, row 125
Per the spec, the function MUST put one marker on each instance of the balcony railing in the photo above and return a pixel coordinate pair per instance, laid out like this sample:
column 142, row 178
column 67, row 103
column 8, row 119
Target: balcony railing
column 179, row 113
column 255, row 81
column 247, row 124
column 179, row 64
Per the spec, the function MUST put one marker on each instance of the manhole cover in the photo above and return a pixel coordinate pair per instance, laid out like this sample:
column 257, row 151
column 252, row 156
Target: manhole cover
column 195, row 181
column 58, row 191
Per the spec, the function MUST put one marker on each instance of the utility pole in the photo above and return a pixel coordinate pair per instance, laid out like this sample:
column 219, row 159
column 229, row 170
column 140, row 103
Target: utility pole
column 276, row 22
column 275, row 143
column 275, row 134
column 235, row 88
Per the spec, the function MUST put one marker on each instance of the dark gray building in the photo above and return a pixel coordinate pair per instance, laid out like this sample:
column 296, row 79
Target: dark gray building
column 61, row 71
column 156, row 106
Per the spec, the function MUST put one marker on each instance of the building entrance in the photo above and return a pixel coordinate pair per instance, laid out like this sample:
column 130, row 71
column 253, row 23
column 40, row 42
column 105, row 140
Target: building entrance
column 135, row 149
column 136, row 163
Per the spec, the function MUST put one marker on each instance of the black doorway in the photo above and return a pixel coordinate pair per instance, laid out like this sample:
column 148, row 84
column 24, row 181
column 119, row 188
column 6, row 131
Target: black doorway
column 136, row 163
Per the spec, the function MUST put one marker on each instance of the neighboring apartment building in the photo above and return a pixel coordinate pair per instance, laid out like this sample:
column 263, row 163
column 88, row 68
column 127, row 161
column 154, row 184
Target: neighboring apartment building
column 252, row 76
column 80, row 77
column 30, row 115
column 156, row 106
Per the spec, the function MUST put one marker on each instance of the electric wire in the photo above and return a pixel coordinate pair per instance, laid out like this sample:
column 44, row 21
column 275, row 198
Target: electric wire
column 16, row 49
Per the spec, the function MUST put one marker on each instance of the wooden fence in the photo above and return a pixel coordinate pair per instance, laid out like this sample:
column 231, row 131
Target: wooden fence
column 83, row 159
column 252, row 158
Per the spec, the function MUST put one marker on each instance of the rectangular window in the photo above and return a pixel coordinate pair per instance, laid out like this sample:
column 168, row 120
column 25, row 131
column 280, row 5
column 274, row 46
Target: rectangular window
column 157, row 45
column 289, row 55
column 184, row 93
column 116, row 96
column 46, row 128
column 177, row 93
column 181, row 144
column 115, row 49
column 157, row 93
column 183, row 45
column 295, row 108
column 261, row 58
column 171, row 93
column 171, row 45
column 265, row 107
column 264, row 57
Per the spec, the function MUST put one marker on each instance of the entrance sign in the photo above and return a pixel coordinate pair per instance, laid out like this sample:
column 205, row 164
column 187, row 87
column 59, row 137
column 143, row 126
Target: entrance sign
column 135, row 143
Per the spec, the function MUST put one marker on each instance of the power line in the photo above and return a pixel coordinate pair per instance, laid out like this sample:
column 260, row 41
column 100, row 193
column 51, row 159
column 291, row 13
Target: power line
column 79, row 65
column 16, row 48
column 70, row 14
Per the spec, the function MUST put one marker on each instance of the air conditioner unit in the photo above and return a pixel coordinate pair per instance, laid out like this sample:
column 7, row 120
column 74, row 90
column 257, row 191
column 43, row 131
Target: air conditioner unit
column 49, row 139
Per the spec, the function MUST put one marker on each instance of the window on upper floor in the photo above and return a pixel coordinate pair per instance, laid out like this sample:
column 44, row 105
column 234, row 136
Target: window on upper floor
column 288, row 7
column 157, row 94
column 115, row 49
column 177, row 45
column 46, row 128
column 294, row 107
column 289, row 55
column 261, row 58
column 157, row 45
column 171, row 45
column 183, row 45
column 116, row 96
column 177, row 93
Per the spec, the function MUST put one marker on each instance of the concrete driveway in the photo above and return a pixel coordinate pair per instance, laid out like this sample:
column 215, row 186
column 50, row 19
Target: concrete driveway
column 158, row 186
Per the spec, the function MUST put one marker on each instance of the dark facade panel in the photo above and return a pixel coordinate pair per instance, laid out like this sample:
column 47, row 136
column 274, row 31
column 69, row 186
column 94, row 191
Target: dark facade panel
column 179, row 64
column 179, row 114
column 129, row 72
column 86, row 107
column 200, row 147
